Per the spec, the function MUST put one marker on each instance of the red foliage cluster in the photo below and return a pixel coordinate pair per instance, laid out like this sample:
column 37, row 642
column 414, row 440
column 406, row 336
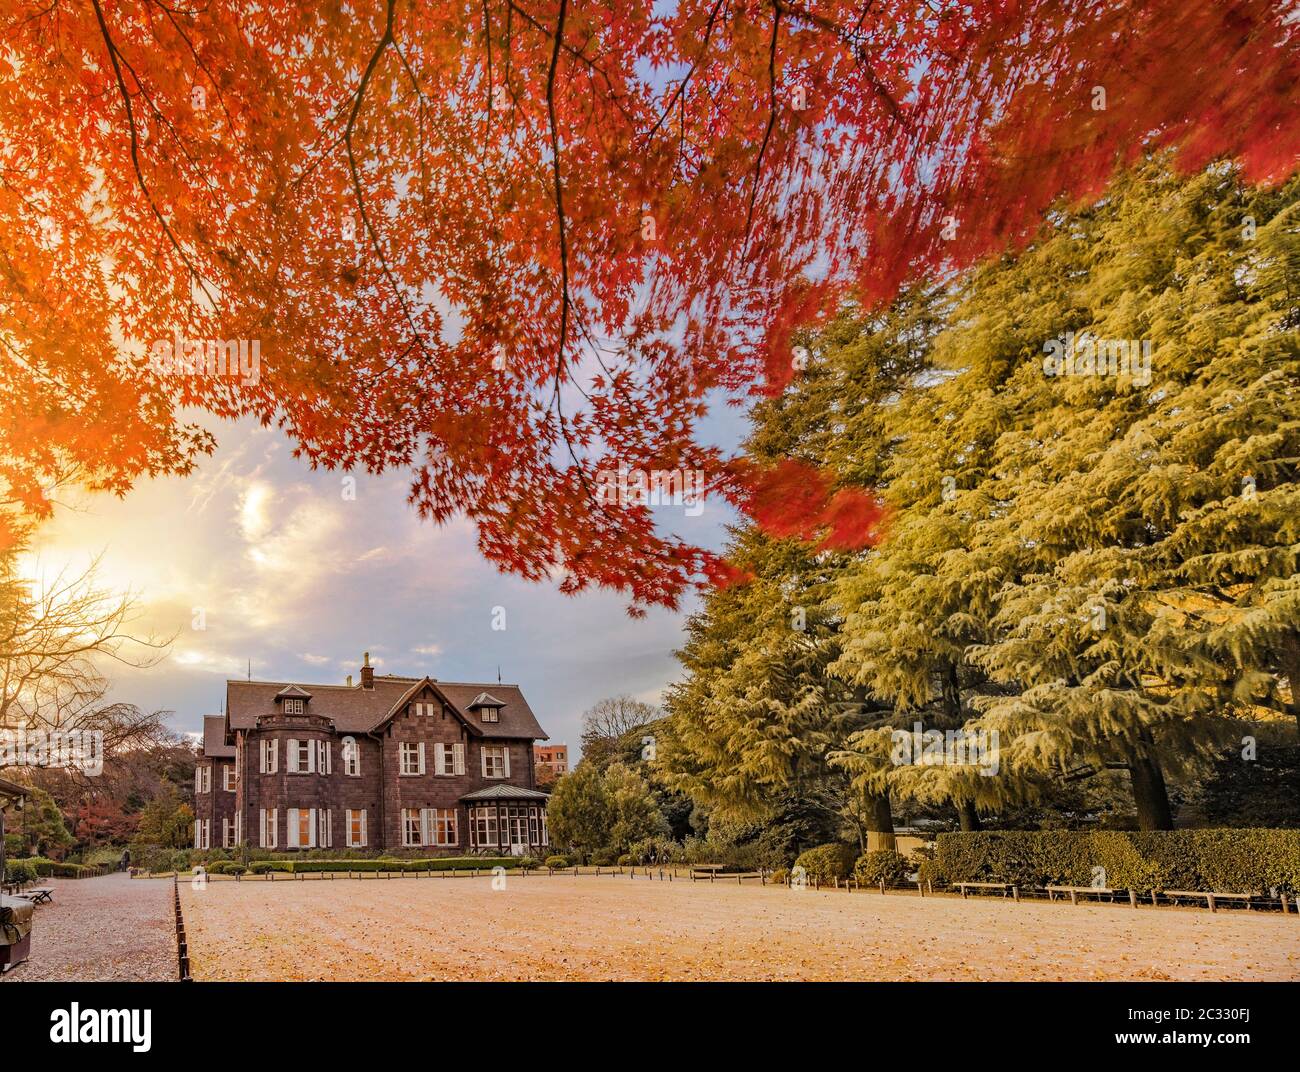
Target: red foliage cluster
column 506, row 244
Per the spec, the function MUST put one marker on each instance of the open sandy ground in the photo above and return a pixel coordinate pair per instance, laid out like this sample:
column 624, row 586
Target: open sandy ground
column 102, row 929
column 593, row 928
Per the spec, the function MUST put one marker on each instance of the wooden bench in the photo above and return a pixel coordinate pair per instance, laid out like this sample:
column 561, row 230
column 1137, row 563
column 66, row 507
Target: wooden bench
column 1074, row 891
column 1211, row 897
column 1006, row 888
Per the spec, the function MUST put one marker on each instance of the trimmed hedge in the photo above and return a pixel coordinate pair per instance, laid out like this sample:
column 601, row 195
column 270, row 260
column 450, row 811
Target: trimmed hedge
column 882, row 865
column 826, row 862
column 1223, row 860
column 441, row 863
column 40, row 866
column 559, row 863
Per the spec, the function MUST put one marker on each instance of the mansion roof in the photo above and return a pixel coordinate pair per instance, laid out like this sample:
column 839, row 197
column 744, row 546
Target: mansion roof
column 357, row 709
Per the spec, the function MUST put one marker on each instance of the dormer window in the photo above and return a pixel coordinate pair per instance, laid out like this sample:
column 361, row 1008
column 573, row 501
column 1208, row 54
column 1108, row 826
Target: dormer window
column 293, row 700
column 487, row 706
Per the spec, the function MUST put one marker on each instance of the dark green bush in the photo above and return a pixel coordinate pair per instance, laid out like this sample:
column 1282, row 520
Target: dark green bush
column 298, row 866
column 560, row 863
column 826, row 862
column 20, row 871
column 1226, row 860
column 883, row 864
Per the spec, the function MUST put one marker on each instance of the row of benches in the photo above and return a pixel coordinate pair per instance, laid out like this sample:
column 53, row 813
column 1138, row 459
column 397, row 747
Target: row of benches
column 1073, row 892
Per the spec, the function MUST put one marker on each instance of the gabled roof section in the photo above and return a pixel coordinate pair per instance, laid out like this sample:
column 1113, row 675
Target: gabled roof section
column 294, row 692
column 414, row 691
column 214, row 738
column 485, row 699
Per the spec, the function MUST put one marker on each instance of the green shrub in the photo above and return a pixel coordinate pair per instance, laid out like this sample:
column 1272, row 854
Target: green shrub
column 826, row 862
column 20, row 871
column 559, row 863
column 300, row 866
column 778, row 876
column 883, row 865
column 604, row 858
column 1226, row 860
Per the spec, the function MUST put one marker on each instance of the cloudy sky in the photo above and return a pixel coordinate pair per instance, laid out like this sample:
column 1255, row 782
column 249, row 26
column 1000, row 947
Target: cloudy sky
column 279, row 566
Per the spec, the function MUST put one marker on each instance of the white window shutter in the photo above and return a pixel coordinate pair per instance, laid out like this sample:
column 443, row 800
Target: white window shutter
column 291, row 760
column 458, row 758
column 313, row 839
column 196, row 835
column 275, row 827
column 482, row 755
column 275, row 765
column 364, row 838
column 198, row 780
column 261, row 833
column 426, row 823
column 439, row 757
column 329, row 829
column 420, row 767
column 291, row 828
column 311, row 757
column 505, row 752
column 327, row 748
column 261, row 757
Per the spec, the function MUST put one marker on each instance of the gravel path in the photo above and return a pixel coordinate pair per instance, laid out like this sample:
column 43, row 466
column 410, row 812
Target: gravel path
column 611, row 928
column 99, row 929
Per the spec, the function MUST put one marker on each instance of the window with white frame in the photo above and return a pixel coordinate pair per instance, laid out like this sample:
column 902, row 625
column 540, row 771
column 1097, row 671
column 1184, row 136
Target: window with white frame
column 411, row 832
column 325, row 828
column 229, row 834
column 324, row 757
column 483, row 827
column 228, row 778
column 293, row 706
column 356, row 828
column 203, row 778
column 496, row 761
column 449, row 759
column 270, row 754
column 301, row 756
column 490, row 714
column 351, row 757
column 270, row 822
column 203, row 833
column 411, row 758
column 300, row 828
column 443, row 823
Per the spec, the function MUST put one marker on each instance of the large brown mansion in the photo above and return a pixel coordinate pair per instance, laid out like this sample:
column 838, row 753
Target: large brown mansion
column 390, row 763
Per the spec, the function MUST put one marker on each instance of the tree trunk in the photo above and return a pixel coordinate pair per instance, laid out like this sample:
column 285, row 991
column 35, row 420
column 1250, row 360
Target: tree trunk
column 880, row 823
column 1291, row 667
column 968, row 816
column 1149, row 794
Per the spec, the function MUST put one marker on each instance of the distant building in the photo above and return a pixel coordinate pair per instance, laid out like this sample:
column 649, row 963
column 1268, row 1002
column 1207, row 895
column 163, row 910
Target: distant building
column 550, row 761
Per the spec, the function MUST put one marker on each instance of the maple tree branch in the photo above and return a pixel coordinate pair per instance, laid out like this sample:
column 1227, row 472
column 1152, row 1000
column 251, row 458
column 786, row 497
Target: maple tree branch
column 704, row 47
column 771, row 120
column 113, row 55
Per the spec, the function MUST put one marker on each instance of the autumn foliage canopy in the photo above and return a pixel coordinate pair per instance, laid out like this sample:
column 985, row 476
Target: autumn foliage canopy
column 505, row 245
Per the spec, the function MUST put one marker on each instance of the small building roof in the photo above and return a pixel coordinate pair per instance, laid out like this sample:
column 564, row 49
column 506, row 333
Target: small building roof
column 214, row 738
column 505, row 792
column 11, row 789
column 295, row 692
column 485, row 699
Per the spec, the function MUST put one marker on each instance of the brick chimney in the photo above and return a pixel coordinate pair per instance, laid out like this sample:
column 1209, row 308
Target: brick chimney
column 367, row 673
